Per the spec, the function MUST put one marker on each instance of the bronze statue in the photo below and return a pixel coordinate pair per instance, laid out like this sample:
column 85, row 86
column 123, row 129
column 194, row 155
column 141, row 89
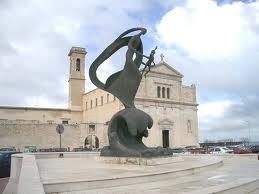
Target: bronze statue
column 127, row 127
column 149, row 62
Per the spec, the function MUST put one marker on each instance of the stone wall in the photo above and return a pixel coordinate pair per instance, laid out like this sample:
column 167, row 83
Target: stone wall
column 19, row 133
column 172, row 117
column 103, row 111
column 41, row 135
column 188, row 94
column 42, row 115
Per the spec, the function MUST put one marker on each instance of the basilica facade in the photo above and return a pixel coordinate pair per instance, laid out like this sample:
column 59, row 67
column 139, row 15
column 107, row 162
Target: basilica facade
column 161, row 94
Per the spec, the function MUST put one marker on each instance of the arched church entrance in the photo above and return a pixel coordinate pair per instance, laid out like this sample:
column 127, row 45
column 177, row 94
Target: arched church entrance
column 165, row 138
column 166, row 127
column 92, row 142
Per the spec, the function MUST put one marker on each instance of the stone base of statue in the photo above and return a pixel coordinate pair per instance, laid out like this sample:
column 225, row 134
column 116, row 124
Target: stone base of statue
column 146, row 153
column 139, row 160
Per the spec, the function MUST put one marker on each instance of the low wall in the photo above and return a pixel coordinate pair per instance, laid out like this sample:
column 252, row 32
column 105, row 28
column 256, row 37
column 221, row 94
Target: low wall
column 25, row 176
column 46, row 155
column 248, row 156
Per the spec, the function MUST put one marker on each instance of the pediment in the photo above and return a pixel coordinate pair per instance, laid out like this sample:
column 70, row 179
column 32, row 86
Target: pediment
column 165, row 122
column 164, row 68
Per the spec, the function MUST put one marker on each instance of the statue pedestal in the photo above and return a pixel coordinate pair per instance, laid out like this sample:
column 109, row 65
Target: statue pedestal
column 139, row 161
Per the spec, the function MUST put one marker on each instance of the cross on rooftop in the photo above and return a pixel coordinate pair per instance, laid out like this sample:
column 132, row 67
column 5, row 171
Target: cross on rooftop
column 162, row 57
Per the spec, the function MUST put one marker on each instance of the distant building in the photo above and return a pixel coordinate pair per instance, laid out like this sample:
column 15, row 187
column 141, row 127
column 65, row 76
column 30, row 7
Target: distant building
column 161, row 94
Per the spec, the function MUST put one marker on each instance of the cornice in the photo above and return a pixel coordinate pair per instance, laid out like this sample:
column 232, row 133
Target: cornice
column 166, row 76
column 166, row 101
column 74, row 78
column 38, row 108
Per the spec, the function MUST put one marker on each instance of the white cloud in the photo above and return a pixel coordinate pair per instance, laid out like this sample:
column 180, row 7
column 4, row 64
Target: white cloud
column 215, row 47
column 229, row 119
column 41, row 101
column 208, row 31
column 103, row 72
column 36, row 36
column 214, row 109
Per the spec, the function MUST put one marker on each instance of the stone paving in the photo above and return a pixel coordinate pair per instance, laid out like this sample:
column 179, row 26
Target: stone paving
column 61, row 170
column 234, row 170
column 3, row 183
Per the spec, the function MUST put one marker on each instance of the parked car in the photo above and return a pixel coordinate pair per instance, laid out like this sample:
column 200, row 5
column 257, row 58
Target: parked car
column 8, row 149
column 179, row 150
column 221, row 150
column 80, row 149
column 231, row 148
column 5, row 163
column 254, row 148
column 30, row 148
column 97, row 149
column 52, row 150
column 242, row 150
column 198, row 151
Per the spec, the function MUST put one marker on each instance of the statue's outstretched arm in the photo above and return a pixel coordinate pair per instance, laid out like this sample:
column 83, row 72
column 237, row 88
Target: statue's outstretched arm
column 140, row 53
column 142, row 32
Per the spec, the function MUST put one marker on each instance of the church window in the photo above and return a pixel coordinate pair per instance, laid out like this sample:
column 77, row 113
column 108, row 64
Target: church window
column 107, row 98
column 101, row 100
column 65, row 122
column 189, row 126
column 163, row 92
column 91, row 128
column 158, row 91
column 91, row 104
column 77, row 64
column 96, row 102
column 168, row 92
column 50, row 121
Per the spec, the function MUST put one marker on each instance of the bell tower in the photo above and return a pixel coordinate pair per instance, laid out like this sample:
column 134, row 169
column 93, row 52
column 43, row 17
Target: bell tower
column 76, row 77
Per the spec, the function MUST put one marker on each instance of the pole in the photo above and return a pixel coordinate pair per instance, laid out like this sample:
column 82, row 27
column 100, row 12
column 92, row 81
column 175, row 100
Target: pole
column 249, row 135
column 60, row 141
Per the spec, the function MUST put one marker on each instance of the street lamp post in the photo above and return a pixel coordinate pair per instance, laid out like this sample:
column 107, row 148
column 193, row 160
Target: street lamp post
column 249, row 135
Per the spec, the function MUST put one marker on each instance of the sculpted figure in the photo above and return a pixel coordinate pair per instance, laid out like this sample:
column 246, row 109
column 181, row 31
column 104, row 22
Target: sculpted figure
column 127, row 127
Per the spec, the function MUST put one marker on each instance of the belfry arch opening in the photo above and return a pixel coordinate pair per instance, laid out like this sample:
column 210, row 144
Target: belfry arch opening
column 77, row 64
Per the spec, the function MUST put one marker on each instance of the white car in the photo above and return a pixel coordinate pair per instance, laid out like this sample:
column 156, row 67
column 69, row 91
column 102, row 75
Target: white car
column 220, row 150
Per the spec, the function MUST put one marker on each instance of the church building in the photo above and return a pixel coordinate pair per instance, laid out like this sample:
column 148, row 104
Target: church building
column 161, row 94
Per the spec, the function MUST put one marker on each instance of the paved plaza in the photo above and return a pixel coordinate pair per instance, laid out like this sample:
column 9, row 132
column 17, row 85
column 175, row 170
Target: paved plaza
column 232, row 170
column 78, row 173
column 3, row 183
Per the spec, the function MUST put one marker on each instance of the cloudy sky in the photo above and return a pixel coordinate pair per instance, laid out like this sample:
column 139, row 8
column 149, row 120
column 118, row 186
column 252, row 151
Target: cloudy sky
column 215, row 44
